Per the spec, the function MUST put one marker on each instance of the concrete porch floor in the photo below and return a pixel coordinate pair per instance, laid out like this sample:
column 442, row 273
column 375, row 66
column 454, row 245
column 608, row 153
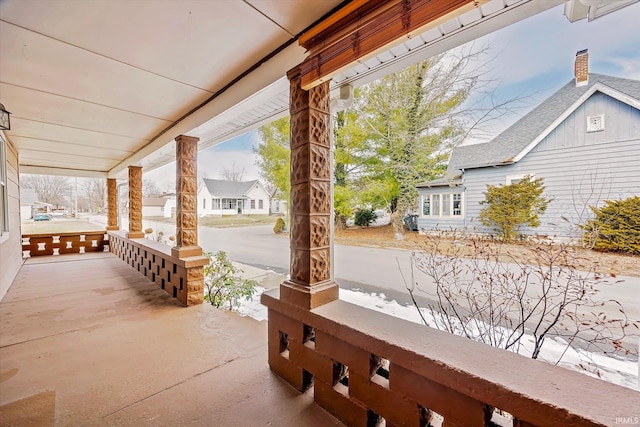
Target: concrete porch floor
column 87, row 340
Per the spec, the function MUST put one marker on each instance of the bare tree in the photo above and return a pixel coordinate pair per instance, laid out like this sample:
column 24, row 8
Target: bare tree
column 55, row 190
column 95, row 192
column 150, row 188
column 483, row 293
column 233, row 174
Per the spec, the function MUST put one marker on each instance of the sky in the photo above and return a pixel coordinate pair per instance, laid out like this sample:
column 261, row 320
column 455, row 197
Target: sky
column 532, row 58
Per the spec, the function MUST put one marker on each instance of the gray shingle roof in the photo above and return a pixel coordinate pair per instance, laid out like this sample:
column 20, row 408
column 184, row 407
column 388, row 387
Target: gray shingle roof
column 229, row 189
column 503, row 148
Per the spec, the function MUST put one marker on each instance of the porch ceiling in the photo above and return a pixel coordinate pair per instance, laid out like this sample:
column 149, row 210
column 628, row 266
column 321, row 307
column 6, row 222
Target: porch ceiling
column 89, row 84
column 96, row 86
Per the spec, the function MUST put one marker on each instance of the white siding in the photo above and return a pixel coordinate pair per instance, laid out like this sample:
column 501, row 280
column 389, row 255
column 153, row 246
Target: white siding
column 11, row 242
column 257, row 193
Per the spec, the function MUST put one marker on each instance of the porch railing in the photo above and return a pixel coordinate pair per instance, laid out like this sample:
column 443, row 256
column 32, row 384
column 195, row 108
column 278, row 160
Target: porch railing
column 76, row 242
column 182, row 278
column 365, row 367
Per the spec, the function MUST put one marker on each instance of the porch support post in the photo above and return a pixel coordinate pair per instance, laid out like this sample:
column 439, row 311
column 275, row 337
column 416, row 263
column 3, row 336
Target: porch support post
column 112, row 204
column 135, row 203
column 187, row 248
column 311, row 284
column 186, row 198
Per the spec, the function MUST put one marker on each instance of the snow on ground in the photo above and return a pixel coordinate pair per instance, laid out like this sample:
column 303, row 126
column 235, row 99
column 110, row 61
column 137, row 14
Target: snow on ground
column 617, row 371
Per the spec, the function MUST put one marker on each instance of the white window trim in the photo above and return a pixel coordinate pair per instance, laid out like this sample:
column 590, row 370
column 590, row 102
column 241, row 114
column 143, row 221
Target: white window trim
column 509, row 178
column 440, row 216
column 4, row 227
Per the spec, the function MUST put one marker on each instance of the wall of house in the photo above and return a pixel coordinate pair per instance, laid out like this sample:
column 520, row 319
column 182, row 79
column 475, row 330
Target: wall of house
column 257, row 193
column 148, row 211
column 11, row 242
column 579, row 168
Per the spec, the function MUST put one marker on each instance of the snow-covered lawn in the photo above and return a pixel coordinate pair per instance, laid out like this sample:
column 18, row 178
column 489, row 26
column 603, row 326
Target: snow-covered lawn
column 622, row 372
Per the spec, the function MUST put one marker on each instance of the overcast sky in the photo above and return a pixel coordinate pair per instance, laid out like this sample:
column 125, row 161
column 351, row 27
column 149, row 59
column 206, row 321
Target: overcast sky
column 532, row 58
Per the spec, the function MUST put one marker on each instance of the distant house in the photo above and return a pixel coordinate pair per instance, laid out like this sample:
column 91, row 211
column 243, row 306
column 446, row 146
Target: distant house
column 219, row 197
column 29, row 204
column 158, row 206
column 584, row 141
column 278, row 207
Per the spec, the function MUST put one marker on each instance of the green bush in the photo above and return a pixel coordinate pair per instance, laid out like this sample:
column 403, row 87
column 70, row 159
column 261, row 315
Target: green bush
column 222, row 284
column 616, row 226
column 279, row 226
column 364, row 217
column 509, row 207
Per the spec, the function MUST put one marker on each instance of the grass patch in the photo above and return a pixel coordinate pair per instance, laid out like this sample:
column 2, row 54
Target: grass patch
column 225, row 220
column 59, row 225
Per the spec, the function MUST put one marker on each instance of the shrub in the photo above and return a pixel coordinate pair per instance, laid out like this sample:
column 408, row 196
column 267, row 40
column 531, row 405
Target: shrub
column 222, row 283
column 279, row 226
column 364, row 217
column 511, row 206
column 616, row 226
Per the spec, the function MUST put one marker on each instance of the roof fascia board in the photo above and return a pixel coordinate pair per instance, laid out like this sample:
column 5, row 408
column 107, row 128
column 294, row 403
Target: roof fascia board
column 598, row 87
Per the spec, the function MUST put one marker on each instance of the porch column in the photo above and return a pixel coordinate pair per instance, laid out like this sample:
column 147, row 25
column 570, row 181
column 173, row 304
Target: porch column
column 112, row 204
column 186, row 198
column 135, row 203
column 311, row 284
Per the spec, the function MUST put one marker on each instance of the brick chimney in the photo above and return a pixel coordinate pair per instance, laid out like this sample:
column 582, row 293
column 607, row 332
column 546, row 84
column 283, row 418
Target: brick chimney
column 582, row 68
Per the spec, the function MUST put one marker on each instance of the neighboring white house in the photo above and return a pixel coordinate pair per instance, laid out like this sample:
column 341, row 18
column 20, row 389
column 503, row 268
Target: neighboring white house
column 278, row 207
column 584, row 141
column 29, row 204
column 219, row 197
column 158, row 206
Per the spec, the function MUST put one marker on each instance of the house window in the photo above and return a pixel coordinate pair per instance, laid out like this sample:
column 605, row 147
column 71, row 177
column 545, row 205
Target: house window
column 204, row 203
column 253, row 204
column 426, row 205
column 444, row 205
column 215, row 204
column 457, row 204
column 260, row 204
column 4, row 213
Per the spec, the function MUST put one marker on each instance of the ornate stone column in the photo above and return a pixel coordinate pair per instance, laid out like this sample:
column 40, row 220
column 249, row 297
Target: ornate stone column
column 311, row 284
column 135, row 203
column 186, row 197
column 112, row 204
column 187, row 249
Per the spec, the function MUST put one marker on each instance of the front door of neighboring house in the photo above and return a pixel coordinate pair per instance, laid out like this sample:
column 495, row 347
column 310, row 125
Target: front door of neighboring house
column 240, row 206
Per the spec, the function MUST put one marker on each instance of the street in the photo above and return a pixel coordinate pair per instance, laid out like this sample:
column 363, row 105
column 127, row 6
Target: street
column 370, row 269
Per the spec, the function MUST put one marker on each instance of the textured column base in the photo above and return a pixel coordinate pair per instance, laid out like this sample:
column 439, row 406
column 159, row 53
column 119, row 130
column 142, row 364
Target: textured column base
column 186, row 251
column 135, row 235
column 113, row 228
column 309, row 297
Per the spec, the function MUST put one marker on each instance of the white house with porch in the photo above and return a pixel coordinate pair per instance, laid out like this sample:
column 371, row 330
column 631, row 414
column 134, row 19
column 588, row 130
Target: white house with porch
column 220, row 197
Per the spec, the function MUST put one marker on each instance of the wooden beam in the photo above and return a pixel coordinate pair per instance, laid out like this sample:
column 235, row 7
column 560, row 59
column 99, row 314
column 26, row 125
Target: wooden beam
column 378, row 30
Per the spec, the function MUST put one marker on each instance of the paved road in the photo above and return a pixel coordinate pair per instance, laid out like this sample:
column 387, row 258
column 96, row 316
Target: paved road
column 371, row 269
column 367, row 268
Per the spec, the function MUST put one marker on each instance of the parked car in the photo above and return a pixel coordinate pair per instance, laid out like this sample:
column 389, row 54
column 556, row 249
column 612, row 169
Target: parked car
column 41, row 217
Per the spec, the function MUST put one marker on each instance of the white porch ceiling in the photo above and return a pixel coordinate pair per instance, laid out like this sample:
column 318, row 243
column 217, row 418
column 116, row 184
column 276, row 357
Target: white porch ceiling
column 98, row 85
column 91, row 85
